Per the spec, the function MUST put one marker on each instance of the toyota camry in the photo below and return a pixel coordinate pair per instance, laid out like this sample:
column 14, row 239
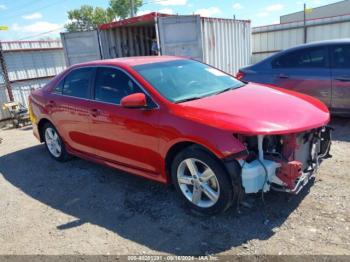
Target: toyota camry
column 179, row 121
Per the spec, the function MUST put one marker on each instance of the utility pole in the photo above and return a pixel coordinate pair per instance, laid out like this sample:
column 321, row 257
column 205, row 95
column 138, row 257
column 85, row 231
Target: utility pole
column 5, row 73
column 305, row 29
column 132, row 8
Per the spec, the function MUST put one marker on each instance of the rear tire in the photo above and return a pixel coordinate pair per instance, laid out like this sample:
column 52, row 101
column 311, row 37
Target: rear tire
column 54, row 143
column 202, row 181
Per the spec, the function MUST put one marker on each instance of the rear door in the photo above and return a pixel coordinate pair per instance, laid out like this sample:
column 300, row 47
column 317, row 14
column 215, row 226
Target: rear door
column 71, row 106
column 340, row 77
column 305, row 70
column 181, row 36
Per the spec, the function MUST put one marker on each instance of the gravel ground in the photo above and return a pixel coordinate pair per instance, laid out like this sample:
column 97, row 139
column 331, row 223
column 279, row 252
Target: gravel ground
column 80, row 207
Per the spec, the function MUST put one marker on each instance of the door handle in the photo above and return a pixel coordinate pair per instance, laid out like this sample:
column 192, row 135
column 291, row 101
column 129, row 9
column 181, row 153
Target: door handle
column 51, row 103
column 343, row 78
column 95, row 112
column 283, row 76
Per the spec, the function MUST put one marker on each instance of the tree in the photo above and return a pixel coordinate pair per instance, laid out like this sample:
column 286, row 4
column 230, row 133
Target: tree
column 88, row 18
column 122, row 8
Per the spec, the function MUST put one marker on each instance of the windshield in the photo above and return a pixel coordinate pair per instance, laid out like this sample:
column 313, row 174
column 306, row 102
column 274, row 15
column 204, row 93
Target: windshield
column 184, row 80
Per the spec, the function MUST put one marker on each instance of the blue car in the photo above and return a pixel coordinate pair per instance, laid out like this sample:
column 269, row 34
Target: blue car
column 321, row 70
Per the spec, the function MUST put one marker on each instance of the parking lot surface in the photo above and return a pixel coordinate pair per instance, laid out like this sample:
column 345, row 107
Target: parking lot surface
column 78, row 207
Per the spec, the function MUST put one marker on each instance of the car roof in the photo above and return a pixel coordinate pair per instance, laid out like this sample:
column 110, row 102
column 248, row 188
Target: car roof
column 302, row 46
column 131, row 61
column 321, row 43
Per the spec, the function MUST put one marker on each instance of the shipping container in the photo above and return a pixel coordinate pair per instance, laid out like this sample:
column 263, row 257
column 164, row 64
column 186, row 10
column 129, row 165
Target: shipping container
column 81, row 47
column 267, row 40
column 223, row 43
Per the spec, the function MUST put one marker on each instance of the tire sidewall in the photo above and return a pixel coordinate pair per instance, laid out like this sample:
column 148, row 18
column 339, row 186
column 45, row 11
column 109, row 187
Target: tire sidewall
column 226, row 189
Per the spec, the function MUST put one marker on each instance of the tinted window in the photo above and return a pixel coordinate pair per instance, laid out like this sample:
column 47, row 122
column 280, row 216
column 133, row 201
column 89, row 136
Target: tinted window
column 182, row 80
column 58, row 88
column 341, row 56
column 77, row 83
column 305, row 58
column 111, row 85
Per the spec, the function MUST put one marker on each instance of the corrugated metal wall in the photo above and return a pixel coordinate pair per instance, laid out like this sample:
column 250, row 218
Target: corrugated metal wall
column 268, row 40
column 21, row 90
column 30, row 65
column 34, row 64
column 127, row 41
column 226, row 43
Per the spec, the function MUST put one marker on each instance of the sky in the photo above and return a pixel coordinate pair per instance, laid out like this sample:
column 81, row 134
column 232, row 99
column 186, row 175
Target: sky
column 37, row 19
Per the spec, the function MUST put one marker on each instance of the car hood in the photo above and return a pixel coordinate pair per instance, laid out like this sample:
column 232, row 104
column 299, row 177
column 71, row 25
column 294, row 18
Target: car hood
column 257, row 109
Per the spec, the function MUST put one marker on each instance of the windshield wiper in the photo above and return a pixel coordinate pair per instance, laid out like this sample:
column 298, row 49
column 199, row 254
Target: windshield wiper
column 188, row 99
column 227, row 89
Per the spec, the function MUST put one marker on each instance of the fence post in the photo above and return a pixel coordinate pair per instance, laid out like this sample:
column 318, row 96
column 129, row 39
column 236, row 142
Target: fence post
column 5, row 73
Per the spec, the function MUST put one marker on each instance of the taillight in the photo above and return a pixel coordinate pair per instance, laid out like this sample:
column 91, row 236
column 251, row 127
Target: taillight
column 239, row 75
column 31, row 113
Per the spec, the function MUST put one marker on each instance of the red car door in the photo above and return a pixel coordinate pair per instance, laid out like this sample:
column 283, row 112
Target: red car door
column 71, row 109
column 123, row 135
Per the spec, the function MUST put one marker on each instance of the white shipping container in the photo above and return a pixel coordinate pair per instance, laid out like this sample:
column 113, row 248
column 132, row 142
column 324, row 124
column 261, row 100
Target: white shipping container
column 223, row 43
column 226, row 43
column 81, row 47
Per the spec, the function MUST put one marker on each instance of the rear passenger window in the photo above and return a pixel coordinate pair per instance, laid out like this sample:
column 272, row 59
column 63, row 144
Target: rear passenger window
column 340, row 56
column 77, row 83
column 306, row 58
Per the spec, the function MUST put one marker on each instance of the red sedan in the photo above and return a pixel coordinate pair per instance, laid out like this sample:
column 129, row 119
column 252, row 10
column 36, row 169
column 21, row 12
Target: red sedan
column 179, row 121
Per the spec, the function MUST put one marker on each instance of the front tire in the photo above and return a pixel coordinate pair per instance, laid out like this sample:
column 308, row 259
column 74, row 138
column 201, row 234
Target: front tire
column 54, row 143
column 202, row 181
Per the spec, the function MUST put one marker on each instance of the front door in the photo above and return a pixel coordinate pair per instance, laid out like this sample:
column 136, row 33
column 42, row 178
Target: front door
column 305, row 70
column 125, row 136
column 341, row 77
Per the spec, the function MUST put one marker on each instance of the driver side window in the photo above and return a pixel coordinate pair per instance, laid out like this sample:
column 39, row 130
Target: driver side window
column 111, row 85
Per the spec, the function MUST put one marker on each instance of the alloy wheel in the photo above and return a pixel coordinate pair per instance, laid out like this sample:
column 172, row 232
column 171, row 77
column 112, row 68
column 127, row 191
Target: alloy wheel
column 198, row 182
column 53, row 142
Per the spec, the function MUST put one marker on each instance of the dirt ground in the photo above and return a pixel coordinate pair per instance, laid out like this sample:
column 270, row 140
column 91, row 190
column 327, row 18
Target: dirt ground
column 80, row 207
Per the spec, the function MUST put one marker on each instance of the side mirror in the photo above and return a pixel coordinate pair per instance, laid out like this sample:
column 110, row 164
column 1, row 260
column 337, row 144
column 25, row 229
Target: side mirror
column 137, row 100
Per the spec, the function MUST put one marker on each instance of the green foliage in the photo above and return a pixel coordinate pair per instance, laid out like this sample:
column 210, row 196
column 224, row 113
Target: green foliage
column 122, row 8
column 88, row 17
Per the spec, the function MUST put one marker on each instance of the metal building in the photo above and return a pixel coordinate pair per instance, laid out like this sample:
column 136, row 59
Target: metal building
column 335, row 9
column 267, row 40
column 30, row 65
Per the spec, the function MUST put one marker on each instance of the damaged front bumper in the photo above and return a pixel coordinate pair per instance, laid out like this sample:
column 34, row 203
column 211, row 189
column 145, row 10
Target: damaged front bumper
column 284, row 162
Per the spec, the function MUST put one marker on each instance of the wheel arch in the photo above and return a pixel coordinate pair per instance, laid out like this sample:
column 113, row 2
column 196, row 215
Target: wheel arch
column 180, row 146
column 229, row 164
column 41, row 125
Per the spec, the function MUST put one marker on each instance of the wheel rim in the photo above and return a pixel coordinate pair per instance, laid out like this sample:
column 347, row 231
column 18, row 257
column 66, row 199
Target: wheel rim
column 53, row 142
column 198, row 183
